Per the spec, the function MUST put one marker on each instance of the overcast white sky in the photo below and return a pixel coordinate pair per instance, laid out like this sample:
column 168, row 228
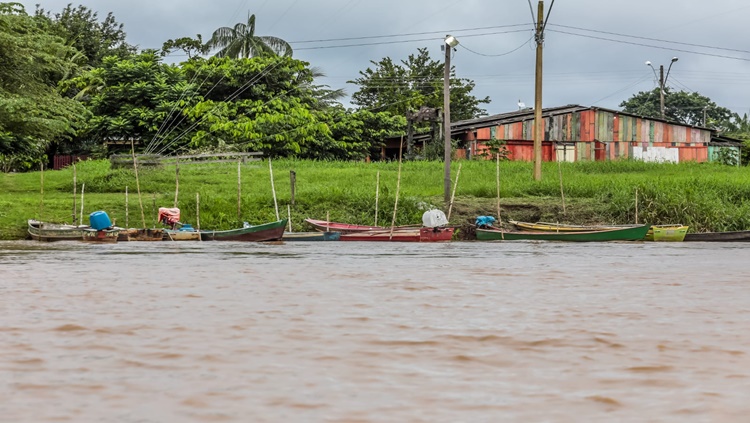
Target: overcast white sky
column 578, row 69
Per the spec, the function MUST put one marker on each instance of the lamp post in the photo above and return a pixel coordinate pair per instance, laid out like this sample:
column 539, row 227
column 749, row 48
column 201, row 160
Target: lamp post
column 662, row 81
column 450, row 42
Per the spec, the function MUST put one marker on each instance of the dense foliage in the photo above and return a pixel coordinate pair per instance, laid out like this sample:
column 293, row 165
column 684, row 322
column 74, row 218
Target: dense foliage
column 33, row 115
column 416, row 82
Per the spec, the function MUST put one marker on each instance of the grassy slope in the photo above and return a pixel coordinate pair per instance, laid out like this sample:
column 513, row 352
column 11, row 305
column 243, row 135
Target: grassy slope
column 705, row 196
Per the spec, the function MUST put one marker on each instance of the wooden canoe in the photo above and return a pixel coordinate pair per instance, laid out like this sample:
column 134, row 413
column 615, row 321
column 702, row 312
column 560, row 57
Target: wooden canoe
column 105, row 236
column 561, row 227
column 736, row 236
column 43, row 231
column 403, row 235
column 133, row 234
column 179, row 235
column 272, row 231
column 347, row 228
column 667, row 233
column 634, row 233
column 311, row 236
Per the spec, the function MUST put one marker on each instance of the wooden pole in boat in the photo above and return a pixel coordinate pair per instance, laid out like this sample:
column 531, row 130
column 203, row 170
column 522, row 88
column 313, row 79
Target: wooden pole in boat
column 41, row 193
column 239, row 189
column 289, row 216
column 137, row 182
column 83, row 188
column 198, row 214
column 497, row 178
column 273, row 190
column 398, row 187
column 562, row 193
column 176, row 181
column 74, row 193
column 636, row 206
column 453, row 195
column 377, row 196
column 127, row 209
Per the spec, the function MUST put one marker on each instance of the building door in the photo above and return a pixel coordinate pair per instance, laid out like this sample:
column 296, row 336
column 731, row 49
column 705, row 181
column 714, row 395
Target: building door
column 565, row 152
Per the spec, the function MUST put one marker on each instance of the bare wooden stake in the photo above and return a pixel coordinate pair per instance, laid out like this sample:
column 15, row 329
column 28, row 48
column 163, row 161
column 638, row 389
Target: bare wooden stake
column 74, row 194
column 239, row 190
column 83, row 188
column 292, row 184
column 198, row 214
column 636, row 206
column 41, row 193
column 398, row 187
column 497, row 178
column 137, row 183
column 127, row 209
column 328, row 221
column 453, row 195
column 176, row 182
column 559, row 172
column 377, row 196
column 289, row 216
column 273, row 190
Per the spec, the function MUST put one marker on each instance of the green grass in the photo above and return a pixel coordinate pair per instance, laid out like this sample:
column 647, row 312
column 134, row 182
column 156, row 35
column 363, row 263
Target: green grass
column 704, row 196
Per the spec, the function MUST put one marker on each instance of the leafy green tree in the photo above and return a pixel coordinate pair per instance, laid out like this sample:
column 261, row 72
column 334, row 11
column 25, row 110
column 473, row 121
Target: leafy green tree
column 192, row 47
column 258, row 104
column 33, row 114
column 81, row 28
column 353, row 135
column 681, row 106
column 138, row 98
column 739, row 128
column 415, row 82
column 241, row 42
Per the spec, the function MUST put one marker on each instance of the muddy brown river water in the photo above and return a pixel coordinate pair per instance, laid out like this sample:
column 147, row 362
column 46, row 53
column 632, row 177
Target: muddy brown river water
column 364, row 332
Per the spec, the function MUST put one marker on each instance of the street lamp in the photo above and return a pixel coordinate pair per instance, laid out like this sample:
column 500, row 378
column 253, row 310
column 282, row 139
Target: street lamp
column 662, row 81
column 450, row 43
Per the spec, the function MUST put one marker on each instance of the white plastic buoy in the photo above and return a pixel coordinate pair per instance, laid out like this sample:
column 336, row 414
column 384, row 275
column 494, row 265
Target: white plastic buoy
column 434, row 218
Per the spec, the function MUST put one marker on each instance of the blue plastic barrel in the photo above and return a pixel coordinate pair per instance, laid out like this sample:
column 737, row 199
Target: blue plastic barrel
column 99, row 220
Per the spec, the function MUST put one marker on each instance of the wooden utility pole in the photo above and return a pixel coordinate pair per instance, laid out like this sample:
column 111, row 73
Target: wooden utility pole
column 661, row 90
column 447, row 121
column 538, row 123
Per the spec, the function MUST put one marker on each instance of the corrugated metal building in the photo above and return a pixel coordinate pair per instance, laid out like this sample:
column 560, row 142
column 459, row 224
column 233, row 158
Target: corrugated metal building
column 573, row 133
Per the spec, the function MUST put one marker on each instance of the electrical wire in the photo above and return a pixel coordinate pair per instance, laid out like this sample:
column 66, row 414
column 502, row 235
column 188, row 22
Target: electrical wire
column 498, row 55
column 645, row 78
column 652, row 46
column 406, row 41
column 408, row 34
column 653, row 39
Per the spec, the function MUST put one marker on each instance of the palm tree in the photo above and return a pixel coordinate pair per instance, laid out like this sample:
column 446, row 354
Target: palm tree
column 241, row 41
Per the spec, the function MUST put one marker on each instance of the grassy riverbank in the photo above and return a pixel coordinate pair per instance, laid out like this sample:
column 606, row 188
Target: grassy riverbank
column 704, row 196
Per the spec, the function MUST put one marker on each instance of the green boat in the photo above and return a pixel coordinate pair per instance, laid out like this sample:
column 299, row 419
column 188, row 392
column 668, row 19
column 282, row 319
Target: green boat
column 630, row 233
column 266, row 232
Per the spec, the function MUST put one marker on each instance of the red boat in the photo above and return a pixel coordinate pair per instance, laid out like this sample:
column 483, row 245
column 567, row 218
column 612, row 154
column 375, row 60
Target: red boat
column 346, row 228
column 401, row 235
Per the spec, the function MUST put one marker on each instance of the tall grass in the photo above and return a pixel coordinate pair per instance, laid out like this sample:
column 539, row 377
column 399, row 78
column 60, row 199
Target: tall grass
column 704, row 196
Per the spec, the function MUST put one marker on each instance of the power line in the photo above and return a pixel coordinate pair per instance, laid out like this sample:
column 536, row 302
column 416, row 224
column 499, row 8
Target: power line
column 652, row 39
column 405, row 41
column 498, row 55
column 652, row 46
column 406, row 34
